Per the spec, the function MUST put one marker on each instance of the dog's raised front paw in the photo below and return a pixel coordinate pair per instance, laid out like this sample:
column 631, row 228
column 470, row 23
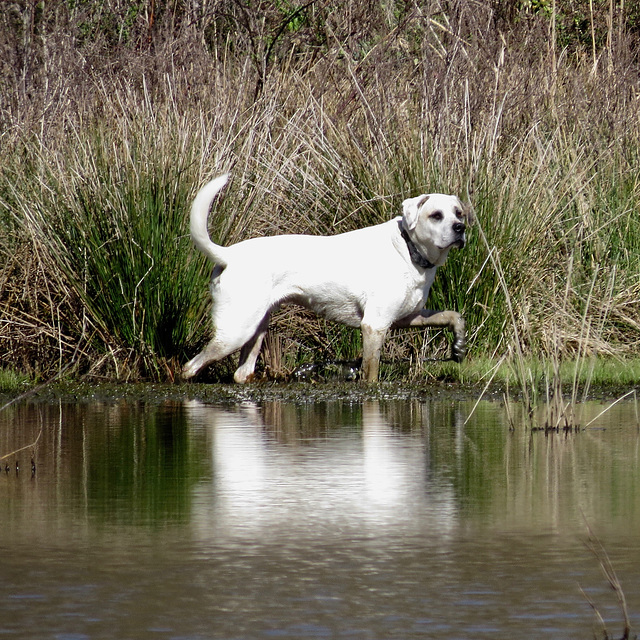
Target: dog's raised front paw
column 459, row 349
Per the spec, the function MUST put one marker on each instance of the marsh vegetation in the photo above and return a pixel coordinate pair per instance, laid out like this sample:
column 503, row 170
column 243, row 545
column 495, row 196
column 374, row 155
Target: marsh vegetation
column 328, row 115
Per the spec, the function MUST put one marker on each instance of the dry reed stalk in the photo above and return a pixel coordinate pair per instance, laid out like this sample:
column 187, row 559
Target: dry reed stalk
column 597, row 549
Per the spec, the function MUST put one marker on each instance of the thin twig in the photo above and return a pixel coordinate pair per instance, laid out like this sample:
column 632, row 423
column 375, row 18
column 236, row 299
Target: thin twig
column 496, row 369
column 597, row 613
column 28, row 446
column 626, row 395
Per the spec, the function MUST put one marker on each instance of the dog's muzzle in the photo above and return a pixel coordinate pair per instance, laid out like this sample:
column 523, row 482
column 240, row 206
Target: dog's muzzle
column 459, row 229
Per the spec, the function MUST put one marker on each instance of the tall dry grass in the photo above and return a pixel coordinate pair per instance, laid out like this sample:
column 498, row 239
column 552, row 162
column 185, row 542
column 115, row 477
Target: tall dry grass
column 104, row 143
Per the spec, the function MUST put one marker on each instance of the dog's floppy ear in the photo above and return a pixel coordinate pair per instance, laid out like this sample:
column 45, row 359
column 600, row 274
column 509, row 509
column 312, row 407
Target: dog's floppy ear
column 410, row 208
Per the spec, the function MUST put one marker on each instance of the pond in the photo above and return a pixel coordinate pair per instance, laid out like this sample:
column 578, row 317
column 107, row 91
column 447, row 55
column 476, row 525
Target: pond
column 339, row 519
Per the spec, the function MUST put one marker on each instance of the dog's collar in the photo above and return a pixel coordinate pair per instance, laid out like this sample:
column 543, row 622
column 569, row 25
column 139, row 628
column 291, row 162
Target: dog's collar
column 416, row 257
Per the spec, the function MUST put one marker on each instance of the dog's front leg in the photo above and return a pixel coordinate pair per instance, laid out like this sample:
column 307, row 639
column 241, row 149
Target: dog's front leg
column 372, row 339
column 451, row 319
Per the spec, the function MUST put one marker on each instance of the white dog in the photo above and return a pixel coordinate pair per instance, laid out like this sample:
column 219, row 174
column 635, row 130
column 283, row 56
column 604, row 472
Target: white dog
column 376, row 278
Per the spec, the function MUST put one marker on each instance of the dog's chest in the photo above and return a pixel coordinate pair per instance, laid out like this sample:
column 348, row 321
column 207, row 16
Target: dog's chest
column 416, row 290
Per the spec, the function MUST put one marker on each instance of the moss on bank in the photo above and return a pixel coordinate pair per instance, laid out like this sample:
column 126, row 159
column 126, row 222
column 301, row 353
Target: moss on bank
column 474, row 379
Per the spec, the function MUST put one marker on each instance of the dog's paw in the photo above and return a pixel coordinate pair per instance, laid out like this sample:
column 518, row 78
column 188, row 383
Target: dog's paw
column 186, row 373
column 459, row 349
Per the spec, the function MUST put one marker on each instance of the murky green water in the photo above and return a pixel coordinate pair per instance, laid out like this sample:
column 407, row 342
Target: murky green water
column 340, row 520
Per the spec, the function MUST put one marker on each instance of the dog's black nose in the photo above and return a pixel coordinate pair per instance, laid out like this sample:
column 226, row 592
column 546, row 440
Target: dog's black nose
column 459, row 227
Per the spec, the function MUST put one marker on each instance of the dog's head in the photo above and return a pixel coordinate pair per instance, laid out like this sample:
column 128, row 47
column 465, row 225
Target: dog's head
column 437, row 222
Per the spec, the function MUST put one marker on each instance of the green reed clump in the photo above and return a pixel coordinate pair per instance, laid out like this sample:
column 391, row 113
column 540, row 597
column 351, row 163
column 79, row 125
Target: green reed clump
column 107, row 211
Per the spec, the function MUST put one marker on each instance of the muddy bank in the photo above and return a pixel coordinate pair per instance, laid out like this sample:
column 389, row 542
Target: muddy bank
column 232, row 394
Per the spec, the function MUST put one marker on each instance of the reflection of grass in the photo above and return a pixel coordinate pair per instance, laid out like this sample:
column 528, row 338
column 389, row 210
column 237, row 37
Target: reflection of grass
column 142, row 470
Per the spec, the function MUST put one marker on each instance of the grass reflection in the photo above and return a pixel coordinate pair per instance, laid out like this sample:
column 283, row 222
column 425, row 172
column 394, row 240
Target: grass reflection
column 142, row 467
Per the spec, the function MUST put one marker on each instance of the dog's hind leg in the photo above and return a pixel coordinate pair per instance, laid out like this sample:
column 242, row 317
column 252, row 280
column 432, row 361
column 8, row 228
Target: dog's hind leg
column 449, row 319
column 230, row 337
column 249, row 353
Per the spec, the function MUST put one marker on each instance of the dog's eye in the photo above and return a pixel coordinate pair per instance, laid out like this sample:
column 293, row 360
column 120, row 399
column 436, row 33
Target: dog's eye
column 458, row 214
column 437, row 216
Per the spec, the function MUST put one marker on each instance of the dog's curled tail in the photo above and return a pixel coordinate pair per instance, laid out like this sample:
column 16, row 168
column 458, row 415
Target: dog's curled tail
column 198, row 221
